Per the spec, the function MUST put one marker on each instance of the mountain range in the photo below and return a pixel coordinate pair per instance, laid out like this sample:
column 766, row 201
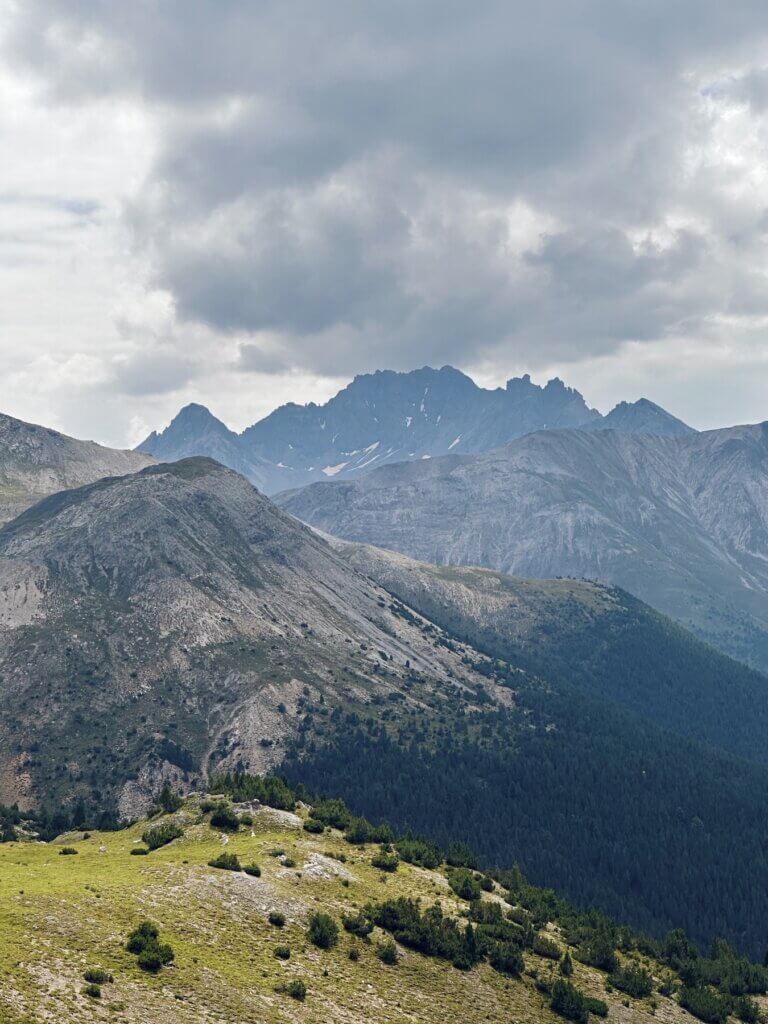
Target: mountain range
column 388, row 417
column 680, row 521
column 173, row 623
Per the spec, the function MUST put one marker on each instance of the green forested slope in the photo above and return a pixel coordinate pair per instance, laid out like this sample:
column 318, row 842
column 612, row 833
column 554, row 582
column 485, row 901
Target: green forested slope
column 610, row 809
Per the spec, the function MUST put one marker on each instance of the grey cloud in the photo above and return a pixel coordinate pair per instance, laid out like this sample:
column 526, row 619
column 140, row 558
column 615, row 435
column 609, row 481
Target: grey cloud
column 258, row 359
column 345, row 182
column 152, row 372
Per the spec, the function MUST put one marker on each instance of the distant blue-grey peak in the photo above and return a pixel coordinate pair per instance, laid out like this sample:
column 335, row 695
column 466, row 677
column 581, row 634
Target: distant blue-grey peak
column 386, row 417
column 644, row 417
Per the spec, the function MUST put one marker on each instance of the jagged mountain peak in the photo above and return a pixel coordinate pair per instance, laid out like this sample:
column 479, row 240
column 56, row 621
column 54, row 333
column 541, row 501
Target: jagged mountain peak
column 192, row 416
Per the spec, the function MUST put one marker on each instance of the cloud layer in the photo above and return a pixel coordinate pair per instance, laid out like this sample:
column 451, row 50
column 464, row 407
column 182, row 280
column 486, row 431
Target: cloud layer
column 505, row 186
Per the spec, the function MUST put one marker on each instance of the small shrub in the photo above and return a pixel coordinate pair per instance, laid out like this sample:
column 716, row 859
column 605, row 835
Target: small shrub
column 387, row 952
column 154, row 957
column 140, row 937
column 635, row 981
column 357, row 924
column 92, row 991
column 544, row 946
column 253, row 870
column 332, row 812
column 359, row 832
column 276, row 918
column 168, row 800
column 144, row 941
column 599, row 951
column 518, row 915
column 313, row 826
column 354, row 954
column 464, row 883
column 246, row 818
column 385, row 861
column 568, row 1002
column 289, row 862
column 139, row 851
column 296, row 989
column 162, row 834
column 506, row 958
column 282, row 953
column 596, row 1006
column 67, row 851
column 422, row 852
column 323, row 931
column 566, row 965
column 224, row 818
column 96, row 976
column 226, row 862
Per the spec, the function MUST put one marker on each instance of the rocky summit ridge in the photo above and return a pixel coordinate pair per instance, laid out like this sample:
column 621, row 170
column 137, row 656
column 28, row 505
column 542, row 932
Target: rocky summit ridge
column 386, row 417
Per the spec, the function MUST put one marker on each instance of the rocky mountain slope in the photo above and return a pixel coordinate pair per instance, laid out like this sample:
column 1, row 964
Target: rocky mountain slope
column 681, row 522
column 36, row 461
column 388, row 417
column 242, row 944
column 175, row 618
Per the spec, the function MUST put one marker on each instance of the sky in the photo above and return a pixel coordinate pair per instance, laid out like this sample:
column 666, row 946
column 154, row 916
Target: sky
column 243, row 203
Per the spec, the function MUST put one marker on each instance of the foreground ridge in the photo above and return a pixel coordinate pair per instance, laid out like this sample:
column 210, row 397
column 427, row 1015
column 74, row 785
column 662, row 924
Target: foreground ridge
column 248, row 902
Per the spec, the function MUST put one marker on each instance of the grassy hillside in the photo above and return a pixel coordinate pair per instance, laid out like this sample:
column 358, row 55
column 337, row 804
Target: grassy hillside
column 65, row 915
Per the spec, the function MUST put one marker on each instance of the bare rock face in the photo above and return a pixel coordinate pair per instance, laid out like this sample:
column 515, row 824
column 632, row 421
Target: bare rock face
column 174, row 622
column 680, row 521
column 36, row 462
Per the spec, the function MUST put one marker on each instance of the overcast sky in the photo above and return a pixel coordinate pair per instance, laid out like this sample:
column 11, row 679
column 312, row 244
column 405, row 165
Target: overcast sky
column 243, row 203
